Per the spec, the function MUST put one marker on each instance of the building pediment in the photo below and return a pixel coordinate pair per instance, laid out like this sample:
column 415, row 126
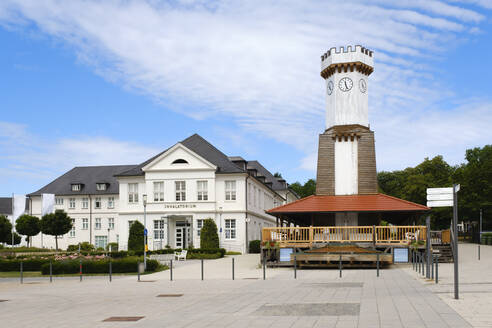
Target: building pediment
column 178, row 158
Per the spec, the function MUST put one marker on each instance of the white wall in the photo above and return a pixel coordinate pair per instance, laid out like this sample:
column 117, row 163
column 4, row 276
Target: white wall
column 346, row 167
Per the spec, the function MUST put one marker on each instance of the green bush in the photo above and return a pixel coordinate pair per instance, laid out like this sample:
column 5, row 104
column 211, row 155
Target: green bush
column 27, row 265
column 233, row 253
column 254, row 246
column 209, row 238
column 126, row 265
column 193, row 251
column 206, row 256
column 136, row 237
column 84, row 247
column 24, row 249
column 112, row 247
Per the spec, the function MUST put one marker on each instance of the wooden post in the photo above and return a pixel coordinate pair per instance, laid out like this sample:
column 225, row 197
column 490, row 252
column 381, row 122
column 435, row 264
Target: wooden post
column 374, row 235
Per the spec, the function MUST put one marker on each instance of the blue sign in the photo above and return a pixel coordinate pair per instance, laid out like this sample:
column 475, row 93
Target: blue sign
column 285, row 254
column 145, row 232
column 400, row 255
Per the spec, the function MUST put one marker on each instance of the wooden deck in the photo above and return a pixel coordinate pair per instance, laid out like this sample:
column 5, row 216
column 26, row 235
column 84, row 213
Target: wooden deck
column 304, row 237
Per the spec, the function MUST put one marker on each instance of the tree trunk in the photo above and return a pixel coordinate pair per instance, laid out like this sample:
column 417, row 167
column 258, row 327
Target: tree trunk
column 56, row 243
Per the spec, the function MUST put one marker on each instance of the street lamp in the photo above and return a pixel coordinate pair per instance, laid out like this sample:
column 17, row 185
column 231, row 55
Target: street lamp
column 109, row 247
column 144, row 197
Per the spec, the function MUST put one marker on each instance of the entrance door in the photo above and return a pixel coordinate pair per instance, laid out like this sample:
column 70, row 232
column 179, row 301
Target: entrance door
column 179, row 237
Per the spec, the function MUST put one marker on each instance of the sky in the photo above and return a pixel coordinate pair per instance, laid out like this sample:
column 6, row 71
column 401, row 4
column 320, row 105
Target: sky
column 115, row 82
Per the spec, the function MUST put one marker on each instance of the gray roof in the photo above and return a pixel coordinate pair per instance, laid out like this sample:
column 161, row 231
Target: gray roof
column 5, row 205
column 276, row 184
column 88, row 176
column 201, row 147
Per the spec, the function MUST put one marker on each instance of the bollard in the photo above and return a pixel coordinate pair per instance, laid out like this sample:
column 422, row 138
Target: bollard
column 295, row 268
column 264, row 269
column 232, row 268
column 110, row 270
column 437, row 270
column 479, row 252
column 171, row 270
column 51, row 271
column 377, row 265
column 21, row 272
column 138, row 270
column 418, row 262
column 202, row 269
column 340, row 266
column 432, row 268
column 80, row 270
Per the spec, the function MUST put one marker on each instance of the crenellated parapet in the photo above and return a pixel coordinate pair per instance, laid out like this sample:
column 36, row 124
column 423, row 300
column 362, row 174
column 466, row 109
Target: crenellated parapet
column 347, row 59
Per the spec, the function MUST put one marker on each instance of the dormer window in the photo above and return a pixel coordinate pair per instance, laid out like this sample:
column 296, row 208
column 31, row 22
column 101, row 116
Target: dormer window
column 180, row 161
column 101, row 186
column 76, row 187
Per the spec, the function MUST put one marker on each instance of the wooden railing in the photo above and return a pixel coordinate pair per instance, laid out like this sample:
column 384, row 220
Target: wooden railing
column 374, row 234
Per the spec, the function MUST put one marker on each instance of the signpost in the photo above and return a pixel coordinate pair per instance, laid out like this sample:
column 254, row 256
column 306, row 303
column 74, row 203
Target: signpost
column 446, row 197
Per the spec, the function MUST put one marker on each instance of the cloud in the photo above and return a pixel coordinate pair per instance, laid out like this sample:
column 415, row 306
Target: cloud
column 26, row 155
column 257, row 62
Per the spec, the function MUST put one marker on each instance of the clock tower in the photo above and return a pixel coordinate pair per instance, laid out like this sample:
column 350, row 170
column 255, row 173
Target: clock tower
column 346, row 151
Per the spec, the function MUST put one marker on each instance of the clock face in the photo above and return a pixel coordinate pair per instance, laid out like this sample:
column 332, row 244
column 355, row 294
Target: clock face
column 362, row 85
column 329, row 88
column 345, row 84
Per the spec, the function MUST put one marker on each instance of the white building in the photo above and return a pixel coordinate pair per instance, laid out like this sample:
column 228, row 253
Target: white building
column 183, row 185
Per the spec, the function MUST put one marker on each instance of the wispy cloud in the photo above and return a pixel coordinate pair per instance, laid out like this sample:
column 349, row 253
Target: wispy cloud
column 257, row 62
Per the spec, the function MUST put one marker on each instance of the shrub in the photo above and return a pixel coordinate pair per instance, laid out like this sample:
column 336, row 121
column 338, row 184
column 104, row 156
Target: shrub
column 136, row 237
column 254, row 246
column 27, row 265
column 220, row 251
column 232, row 253
column 209, row 238
column 112, row 247
column 84, row 247
column 206, row 256
column 126, row 265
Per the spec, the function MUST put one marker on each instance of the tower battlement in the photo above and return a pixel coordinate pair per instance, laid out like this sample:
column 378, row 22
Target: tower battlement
column 358, row 57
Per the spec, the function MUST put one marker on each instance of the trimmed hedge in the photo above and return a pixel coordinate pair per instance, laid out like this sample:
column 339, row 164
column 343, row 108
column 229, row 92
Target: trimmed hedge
column 205, row 256
column 254, row 246
column 27, row 265
column 127, row 265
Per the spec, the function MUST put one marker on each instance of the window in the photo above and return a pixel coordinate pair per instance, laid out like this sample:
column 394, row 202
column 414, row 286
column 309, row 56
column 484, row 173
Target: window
column 180, row 187
column 58, row 201
column 230, row 229
column 230, row 190
column 98, row 224
column 199, row 225
column 76, row 187
column 100, row 186
column 159, row 191
column 133, row 192
column 159, row 229
column 110, row 202
column 180, row 161
column 72, row 231
column 71, row 203
column 85, row 203
column 97, row 202
column 85, row 224
column 101, row 241
column 111, row 223
column 202, row 189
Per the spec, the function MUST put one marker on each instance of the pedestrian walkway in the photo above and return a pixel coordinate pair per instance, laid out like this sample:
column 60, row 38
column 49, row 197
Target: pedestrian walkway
column 317, row 298
column 475, row 302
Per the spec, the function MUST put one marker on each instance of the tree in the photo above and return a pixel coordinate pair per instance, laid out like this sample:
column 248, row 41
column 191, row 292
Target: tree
column 136, row 237
column 307, row 189
column 56, row 224
column 28, row 225
column 277, row 175
column 5, row 229
column 209, row 237
column 17, row 238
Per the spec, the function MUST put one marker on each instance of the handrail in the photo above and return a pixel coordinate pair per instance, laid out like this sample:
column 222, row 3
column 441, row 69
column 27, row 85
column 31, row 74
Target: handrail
column 374, row 234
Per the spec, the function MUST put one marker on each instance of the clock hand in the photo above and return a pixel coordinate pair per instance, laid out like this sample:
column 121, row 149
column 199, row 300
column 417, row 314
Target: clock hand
column 346, row 87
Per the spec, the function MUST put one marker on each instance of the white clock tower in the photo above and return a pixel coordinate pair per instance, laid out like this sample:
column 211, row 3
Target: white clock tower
column 346, row 153
column 346, row 73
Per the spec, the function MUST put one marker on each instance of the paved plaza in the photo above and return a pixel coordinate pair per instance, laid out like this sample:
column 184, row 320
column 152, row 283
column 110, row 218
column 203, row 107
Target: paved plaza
column 317, row 298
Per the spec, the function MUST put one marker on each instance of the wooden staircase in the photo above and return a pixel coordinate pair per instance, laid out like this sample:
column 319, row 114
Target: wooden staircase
column 444, row 251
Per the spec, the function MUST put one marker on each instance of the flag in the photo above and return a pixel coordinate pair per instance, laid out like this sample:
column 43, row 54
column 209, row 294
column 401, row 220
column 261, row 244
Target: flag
column 48, row 203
